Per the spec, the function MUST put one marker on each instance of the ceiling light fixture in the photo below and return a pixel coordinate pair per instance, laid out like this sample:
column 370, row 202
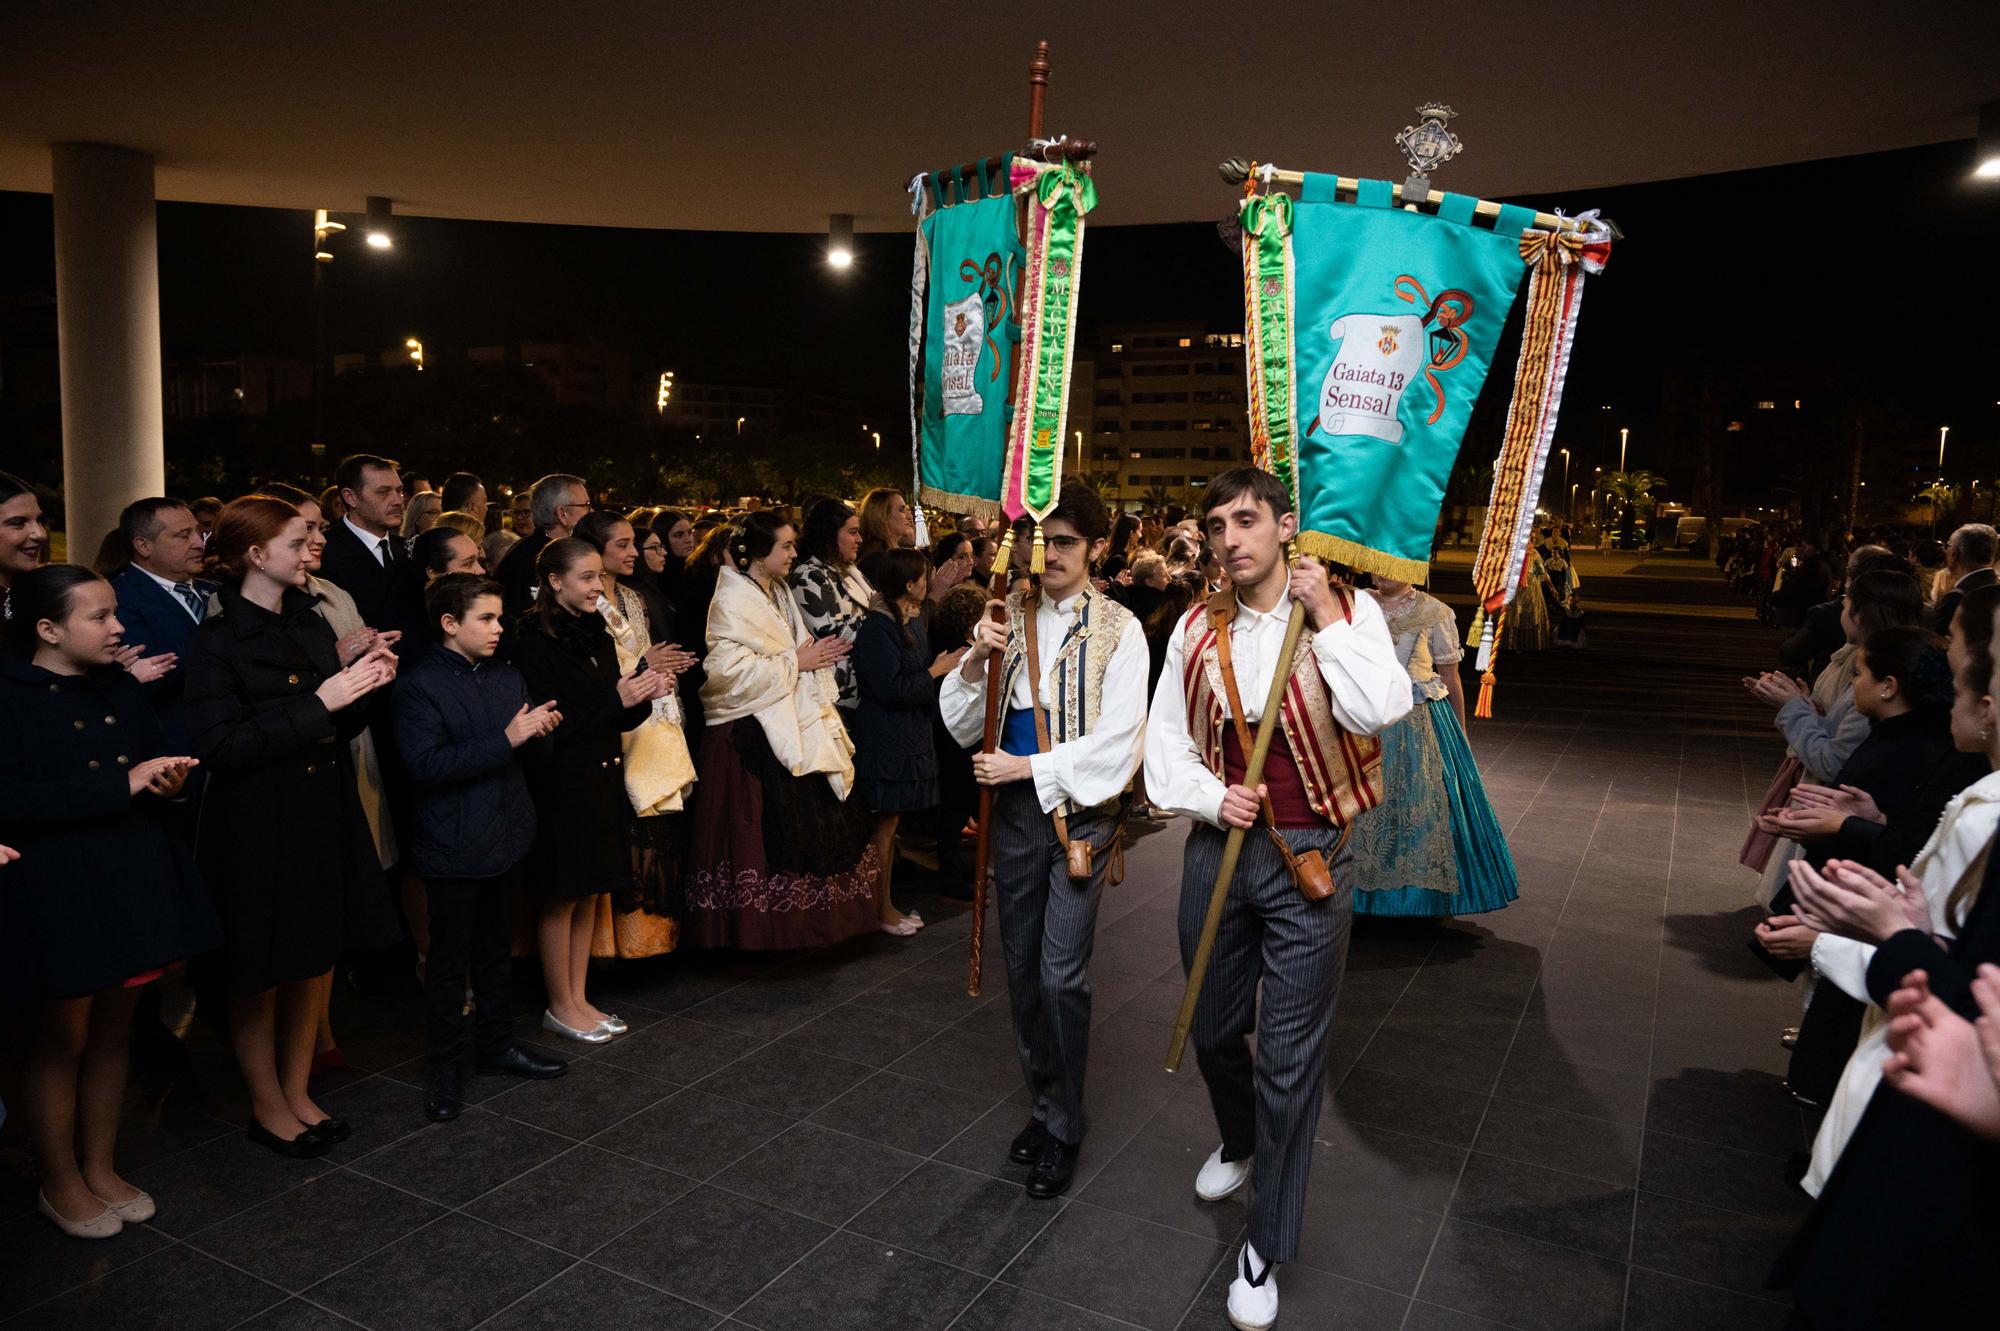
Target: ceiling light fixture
column 840, row 240
column 377, row 227
column 1987, row 162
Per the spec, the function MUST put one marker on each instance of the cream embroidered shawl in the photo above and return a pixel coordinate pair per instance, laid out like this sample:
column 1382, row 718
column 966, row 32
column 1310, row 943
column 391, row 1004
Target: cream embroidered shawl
column 753, row 671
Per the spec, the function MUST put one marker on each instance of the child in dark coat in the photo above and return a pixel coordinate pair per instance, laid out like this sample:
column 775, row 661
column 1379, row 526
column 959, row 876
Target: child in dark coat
column 463, row 723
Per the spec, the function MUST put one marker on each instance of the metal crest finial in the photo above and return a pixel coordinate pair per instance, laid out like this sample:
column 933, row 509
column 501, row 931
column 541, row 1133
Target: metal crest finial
column 1426, row 146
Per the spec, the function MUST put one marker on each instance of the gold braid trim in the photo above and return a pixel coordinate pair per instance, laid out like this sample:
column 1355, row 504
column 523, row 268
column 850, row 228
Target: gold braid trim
column 1339, row 550
column 1540, row 329
column 969, row 505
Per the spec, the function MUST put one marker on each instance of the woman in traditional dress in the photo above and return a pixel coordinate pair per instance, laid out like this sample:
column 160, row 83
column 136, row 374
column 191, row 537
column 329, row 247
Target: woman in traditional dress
column 778, row 855
column 832, row 593
column 1434, row 848
column 1528, row 626
column 659, row 771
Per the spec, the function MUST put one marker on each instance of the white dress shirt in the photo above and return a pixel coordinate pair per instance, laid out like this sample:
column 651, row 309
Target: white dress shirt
column 1368, row 687
column 173, row 589
column 1087, row 770
column 371, row 540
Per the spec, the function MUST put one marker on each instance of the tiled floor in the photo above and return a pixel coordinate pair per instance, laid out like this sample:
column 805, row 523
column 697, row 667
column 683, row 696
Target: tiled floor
column 1565, row 1115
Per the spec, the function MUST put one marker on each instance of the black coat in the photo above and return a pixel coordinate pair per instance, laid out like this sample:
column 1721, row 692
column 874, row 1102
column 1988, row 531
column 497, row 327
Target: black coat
column 1947, row 605
column 282, row 839
column 473, row 814
column 104, row 890
column 1815, row 641
column 1883, row 846
column 892, row 721
column 583, row 844
column 1905, row 1230
column 151, row 616
column 354, row 568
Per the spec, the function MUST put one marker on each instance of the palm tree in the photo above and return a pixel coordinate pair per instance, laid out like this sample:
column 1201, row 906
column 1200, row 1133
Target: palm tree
column 1633, row 488
column 1942, row 495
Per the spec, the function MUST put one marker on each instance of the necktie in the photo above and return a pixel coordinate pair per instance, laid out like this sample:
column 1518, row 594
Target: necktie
column 191, row 599
column 388, row 553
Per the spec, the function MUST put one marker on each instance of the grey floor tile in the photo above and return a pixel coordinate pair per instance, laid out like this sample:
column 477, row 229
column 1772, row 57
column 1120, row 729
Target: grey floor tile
column 1358, row 1235
column 765, row 1010
column 448, row 1275
column 213, row 1181
column 1005, row 1307
column 1701, row 1243
column 580, row 1199
column 454, row 1162
column 902, row 1112
column 173, row 1289
column 867, row 1035
column 1769, row 1124
column 1594, row 1147
column 584, row 1101
column 851, row 1283
column 1445, row 1114
column 1722, row 1176
column 679, row 1050
column 1656, row 1302
column 41, row 1261
column 1306, row 1297
column 817, row 1172
column 956, row 1216
column 1591, row 1092
column 589, row 1298
column 296, row 1315
column 785, row 1079
column 712, row 1247
column 380, row 1111
column 693, row 1133
column 1153, row 1178
column 1409, row 1171
column 1569, row 1209
column 1431, row 1317
column 305, row 1235
column 1522, row 1282
column 1116, row 1264
column 979, row 1063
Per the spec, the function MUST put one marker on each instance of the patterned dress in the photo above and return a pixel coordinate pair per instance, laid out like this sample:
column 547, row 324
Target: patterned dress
column 1434, row 847
column 834, row 601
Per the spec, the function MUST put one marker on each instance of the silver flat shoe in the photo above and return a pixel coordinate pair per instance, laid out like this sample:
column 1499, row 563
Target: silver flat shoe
column 595, row 1035
column 614, row 1023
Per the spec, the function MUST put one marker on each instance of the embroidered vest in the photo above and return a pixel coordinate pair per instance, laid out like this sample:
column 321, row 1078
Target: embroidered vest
column 1342, row 771
column 1077, row 667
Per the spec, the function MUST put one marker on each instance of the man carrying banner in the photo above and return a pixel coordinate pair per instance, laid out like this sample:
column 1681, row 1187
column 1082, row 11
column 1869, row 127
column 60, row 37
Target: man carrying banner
column 1073, row 672
column 1286, row 918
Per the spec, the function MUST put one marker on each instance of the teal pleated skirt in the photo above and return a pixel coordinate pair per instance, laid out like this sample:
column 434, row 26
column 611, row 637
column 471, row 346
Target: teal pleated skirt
column 1434, row 848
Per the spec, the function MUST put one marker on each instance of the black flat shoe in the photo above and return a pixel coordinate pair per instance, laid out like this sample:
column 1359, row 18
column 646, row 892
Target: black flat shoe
column 1053, row 1170
column 335, row 1130
column 305, row 1146
column 442, row 1101
column 1027, row 1146
column 517, row 1061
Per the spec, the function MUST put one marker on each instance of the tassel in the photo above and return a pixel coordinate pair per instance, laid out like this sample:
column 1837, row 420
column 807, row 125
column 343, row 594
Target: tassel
column 1489, row 652
column 1035, row 560
column 1003, row 557
column 1484, row 708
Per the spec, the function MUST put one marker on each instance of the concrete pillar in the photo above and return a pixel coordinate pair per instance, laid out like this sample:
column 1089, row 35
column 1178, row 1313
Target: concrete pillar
column 108, row 331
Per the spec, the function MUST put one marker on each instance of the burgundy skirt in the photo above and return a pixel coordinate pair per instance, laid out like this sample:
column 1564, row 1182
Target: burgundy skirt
column 735, row 898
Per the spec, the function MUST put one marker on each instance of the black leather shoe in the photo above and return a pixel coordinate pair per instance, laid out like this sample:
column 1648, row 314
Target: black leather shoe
column 1027, row 1147
column 302, row 1147
column 1054, row 1168
column 442, row 1102
column 335, row 1130
column 517, row 1061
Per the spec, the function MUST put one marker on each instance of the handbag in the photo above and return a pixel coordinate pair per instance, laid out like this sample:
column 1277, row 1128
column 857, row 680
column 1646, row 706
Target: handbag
column 1758, row 845
column 1309, row 871
column 1078, row 854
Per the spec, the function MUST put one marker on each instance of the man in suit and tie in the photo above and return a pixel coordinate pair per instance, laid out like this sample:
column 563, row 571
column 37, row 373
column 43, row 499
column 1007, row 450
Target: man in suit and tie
column 1968, row 560
column 558, row 502
column 364, row 551
column 160, row 598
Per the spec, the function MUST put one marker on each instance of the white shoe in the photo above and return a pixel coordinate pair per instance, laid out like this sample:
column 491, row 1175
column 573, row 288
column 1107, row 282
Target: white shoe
column 1253, row 1307
column 1220, row 1178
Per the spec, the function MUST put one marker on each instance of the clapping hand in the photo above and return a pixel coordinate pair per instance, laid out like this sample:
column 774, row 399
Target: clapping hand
column 358, row 680
column 1847, row 801
column 947, row 662
column 159, row 776
column 532, row 723
column 1942, row 1059
column 822, row 652
column 1774, row 688
column 1854, row 901
column 361, row 642
column 669, row 658
column 1806, row 823
column 145, row 669
column 8, row 854
column 1786, row 937
column 642, row 686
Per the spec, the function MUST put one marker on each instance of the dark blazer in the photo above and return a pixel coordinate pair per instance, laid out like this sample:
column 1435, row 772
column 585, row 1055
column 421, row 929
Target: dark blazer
column 1815, row 641
column 353, row 567
column 1947, row 605
column 105, row 889
column 282, row 839
column 892, row 720
column 1905, row 1230
column 153, row 616
column 583, row 846
column 1883, row 846
column 474, row 818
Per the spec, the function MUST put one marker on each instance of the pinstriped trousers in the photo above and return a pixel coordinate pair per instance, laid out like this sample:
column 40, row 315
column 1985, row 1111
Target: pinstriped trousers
column 1298, row 950
column 1048, row 929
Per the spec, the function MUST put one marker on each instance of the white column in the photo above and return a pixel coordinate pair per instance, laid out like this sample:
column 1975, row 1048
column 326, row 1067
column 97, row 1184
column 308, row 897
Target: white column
column 108, row 331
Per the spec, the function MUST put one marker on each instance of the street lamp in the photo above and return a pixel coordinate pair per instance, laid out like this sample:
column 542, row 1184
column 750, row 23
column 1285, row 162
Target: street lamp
column 415, row 347
column 1943, row 430
column 377, row 227
column 1571, row 510
column 739, row 424
column 1622, row 434
column 1565, row 453
column 876, row 435
column 1079, row 452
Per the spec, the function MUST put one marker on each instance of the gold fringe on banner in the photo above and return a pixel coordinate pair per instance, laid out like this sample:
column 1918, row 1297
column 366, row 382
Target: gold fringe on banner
column 968, row 505
column 1361, row 558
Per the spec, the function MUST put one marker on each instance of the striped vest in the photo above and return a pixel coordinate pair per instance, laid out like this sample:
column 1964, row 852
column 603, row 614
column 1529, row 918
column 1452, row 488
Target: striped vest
column 1342, row 771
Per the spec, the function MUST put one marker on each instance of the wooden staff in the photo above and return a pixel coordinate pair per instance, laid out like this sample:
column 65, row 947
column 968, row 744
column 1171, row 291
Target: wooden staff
column 1038, row 87
column 1260, row 748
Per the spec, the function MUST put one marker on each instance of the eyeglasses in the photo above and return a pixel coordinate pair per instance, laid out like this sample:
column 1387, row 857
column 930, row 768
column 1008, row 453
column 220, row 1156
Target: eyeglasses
column 1062, row 543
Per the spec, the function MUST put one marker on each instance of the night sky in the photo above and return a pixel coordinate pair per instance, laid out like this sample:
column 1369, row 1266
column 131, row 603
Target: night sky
column 1881, row 269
